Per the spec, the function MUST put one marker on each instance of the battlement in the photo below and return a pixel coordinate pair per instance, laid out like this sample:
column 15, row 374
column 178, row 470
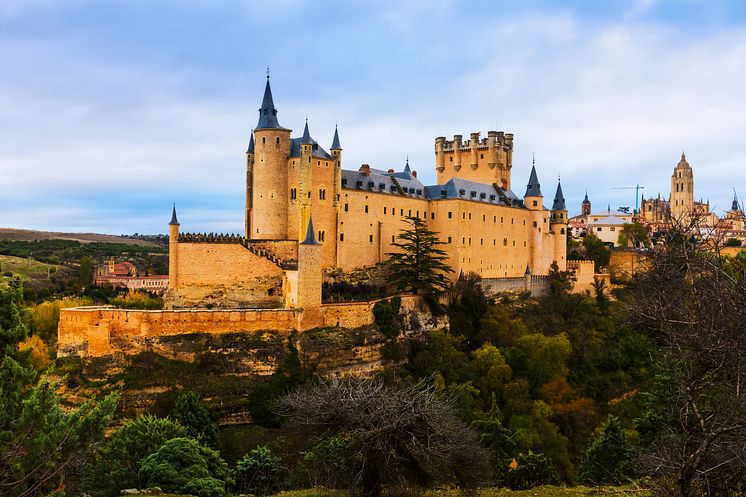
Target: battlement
column 210, row 238
column 489, row 159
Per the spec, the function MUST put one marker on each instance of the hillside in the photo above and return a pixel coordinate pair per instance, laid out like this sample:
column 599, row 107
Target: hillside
column 34, row 274
column 16, row 234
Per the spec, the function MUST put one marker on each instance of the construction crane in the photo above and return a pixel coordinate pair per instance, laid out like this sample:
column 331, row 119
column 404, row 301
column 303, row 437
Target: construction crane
column 637, row 189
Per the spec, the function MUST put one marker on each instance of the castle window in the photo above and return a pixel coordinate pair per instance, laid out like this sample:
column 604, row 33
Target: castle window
column 462, row 192
column 599, row 229
column 494, row 219
column 463, row 215
column 463, row 240
column 409, row 213
column 481, row 156
column 612, row 228
column 449, row 239
column 473, row 194
column 392, row 188
column 535, row 225
column 443, row 194
column 371, row 184
column 381, row 186
column 393, row 238
column 370, row 238
column 341, row 237
column 501, row 219
column 450, row 159
column 511, row 221
column 359, row 183
column 264, row 140
column 484, row 217
column 535, row 203
column 344, row 180
column 419, row 192
column 505, row 242
column 514, row 243
column 293, row 194
column 493, row 197
column 384, row 210
column 469, row 240
column 450, row 214
column 366, row 209
column 562, row 231
column 401, row 212
column 278, row 140
column 481, row 241
column 417, row 214
column 321, row 236
column 322, row 194
column 494, row 242
column 347, row 207
column 482, row 195
column 432, row 215
column 470, row 215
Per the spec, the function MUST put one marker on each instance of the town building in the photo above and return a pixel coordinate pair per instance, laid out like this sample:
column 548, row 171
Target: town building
column 125, row 275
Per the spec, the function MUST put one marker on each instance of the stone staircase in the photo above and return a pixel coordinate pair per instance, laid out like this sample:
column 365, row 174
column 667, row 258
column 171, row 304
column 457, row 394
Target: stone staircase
column 286, row 264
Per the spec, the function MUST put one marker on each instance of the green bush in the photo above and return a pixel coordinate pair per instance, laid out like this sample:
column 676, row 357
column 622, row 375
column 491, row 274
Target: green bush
column 193, row 415
column 386, row 314
column 259, row 472
column 531, row 471
column 607, row 459
column 183, row 466
column 115, row 466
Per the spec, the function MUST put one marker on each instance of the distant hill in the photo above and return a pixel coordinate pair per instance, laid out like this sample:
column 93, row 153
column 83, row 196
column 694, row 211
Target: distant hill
column 15, row 234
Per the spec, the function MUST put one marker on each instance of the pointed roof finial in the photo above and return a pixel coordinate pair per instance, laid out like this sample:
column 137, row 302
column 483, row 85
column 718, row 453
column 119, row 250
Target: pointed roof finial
column 534, row 188
column 310, row 237
column 559, row 199
column 250, row 150
column 174, row 220
column 585, row 200
column 306, row 140
column 335, row 141
column 406, row 166
column 527, row 271
column 268, row 113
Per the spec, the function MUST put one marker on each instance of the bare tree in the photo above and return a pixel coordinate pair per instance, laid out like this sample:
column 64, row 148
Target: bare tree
column 693, row 303
column 399, row 434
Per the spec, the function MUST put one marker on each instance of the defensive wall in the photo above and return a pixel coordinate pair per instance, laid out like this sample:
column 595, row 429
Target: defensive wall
column 538, row 285
column 94, row 331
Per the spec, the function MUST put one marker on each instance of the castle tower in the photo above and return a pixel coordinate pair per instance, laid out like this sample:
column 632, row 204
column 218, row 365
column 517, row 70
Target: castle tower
column 305, row 178
column 336, row 151
column 173, row 250
column 558, row 224
column 682, row 189
column 533, row 201
column 269, row 176
column 489, row 159
column 585, row 207
column 249, row 185
column 309, row 271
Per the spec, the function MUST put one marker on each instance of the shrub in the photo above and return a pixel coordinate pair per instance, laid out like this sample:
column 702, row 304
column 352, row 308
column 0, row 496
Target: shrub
column 136, row 299
column 116, row 465
column 193, row 414
column 607, row 459
column 531, row 470
column 386, row 314
column 259, row 472
column 39, row 352
column 183, row 466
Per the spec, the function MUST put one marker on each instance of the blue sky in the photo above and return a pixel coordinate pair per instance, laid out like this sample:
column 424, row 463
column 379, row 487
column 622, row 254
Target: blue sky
column 111, row 110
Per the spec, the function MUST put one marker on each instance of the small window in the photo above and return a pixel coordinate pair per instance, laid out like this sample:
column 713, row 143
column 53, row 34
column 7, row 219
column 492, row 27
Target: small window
column 278, row 140
column 612, row 229
column 264, row 140
column 432, row 215
column 393, row 238
column 463, row 215
column 505, row 242
column 449, row 239
column 384, row 210
column 450, row 215
column 347, row 207
column 470, row 215
column 484, row 217
column 481, row 241
column 598, row 229
column 344, row 181
column 366, row 209
column 341, row 237
column 535, row 225
column 370, row 238
column 535, row 203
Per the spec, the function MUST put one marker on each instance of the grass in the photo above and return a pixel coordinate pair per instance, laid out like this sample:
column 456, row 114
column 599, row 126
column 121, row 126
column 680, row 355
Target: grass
column 27, row 269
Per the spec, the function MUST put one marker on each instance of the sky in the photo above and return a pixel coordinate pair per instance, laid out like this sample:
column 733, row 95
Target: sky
column 112, row 110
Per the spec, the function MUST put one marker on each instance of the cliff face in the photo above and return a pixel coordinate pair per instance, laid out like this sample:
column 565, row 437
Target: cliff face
column 224, row 368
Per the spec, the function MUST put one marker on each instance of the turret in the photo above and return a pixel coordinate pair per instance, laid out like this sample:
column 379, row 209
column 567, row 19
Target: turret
column 249, row 185
column 173, row 250
column 336, row 151
column 533, row 197
column 558, row 224
column 473, row 152
column 305, row 179
column 457, row 152
column 269, row 182
column 533, row 201
column 309, row 270
column 559, row 209
column 440, row 157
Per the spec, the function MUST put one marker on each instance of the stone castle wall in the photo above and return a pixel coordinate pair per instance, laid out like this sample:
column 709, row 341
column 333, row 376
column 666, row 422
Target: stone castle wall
column 94, row 331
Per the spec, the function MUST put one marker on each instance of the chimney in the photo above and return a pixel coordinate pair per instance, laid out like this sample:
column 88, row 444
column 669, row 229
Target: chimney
column 365, row 169
column 414, row 173
column 390, row 171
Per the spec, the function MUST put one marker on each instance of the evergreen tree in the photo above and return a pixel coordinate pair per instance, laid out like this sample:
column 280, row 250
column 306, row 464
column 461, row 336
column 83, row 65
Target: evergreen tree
column 560, row 282
column 419, row 264
column 38, row 440
column 596, row 251
column 193, row 414
column 607, row 459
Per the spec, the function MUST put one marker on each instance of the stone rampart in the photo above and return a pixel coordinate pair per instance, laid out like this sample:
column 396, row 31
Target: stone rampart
column 93, row 331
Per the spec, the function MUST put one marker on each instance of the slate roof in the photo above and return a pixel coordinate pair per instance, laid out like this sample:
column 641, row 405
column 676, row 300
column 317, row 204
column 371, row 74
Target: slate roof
column 559, row 199
column 173, row 216
column 250, row 150
column 471, row 190
column 268, row 113
column 316, row 150
column 310, row 236
column 384, row 182
column 335, row 141
column 608, row 221
column 533, row 189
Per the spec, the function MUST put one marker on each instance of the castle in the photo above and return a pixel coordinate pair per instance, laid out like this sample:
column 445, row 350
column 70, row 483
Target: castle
column 305, row 213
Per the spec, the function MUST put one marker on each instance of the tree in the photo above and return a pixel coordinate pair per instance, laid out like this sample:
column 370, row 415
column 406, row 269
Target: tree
column 191, row 413
column 633, row 235
column 607, row 460
column 115, row 466
column 183, row 466
column 693, row 306
column 38, row 440
column 560, row 282
column 86, row 270
column 596, row 251
column 419, row 264
column 259, row 473
column 399, row 434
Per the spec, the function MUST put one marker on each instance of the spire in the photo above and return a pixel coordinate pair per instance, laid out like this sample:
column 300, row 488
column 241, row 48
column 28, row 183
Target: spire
column 306, row 136
column 559, row 199
column 528, row 270
column 406, row 166
column 585, row 200
column 174, row 220
column 250, row 150
column 335, row 141
column 534, row 188
column 268, row 113
column 310, row 237
column 734, row 206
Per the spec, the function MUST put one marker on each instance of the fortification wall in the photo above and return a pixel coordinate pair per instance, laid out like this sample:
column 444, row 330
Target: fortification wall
column 224, row 275
column 537, row 285
column 625, row 263
column 584, row 274
column 98, row 331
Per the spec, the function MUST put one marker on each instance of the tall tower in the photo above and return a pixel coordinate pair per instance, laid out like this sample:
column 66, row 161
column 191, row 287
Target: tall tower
column 336, row 151
column 533, row 201
column 682, row 189
column 269, row 175
column 558, row 224
column 305, row 178
column 173, row 250
column 585, row 207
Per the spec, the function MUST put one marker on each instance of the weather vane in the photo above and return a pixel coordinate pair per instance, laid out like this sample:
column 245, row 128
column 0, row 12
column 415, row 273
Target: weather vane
column 267, row 72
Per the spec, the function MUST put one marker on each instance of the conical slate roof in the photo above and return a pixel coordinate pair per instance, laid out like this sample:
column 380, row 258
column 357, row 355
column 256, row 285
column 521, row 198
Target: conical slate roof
column 250, row 150
column 335, row 141
column 268, row 113
column 559, row 199
column 310, row 237
column 534, row 188
column 174, row 220
column 585, row 200
column 734, row 206
column 306, row 140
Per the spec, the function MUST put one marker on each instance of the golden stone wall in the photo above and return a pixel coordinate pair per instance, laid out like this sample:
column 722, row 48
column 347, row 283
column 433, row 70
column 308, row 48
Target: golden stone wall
column 269, row 206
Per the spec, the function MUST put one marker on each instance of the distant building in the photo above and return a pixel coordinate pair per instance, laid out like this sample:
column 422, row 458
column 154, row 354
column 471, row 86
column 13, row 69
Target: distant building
column 125, row 275
column 606, row 224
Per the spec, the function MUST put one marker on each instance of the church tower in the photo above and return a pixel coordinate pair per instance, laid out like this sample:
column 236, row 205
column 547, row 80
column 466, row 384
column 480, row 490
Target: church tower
column 585, row 207
column 682, row 189
column 269, row 175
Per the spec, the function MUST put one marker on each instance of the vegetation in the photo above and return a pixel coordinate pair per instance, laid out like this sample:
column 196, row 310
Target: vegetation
column 597, row 251
column 418, row 264
column 260, row 472
column 633, row 235
column 138, row 299
column 196, row 418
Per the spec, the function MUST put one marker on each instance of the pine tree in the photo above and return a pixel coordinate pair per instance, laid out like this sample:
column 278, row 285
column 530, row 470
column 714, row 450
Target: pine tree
column 607, row 459
column 419, row 264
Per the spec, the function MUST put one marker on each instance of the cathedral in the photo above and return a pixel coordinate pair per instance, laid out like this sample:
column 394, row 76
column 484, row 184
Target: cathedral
column 306, row 213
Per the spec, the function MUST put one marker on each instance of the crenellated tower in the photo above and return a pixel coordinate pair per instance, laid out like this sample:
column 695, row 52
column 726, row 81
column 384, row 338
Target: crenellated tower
column 484, row 160
column 269, row 175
